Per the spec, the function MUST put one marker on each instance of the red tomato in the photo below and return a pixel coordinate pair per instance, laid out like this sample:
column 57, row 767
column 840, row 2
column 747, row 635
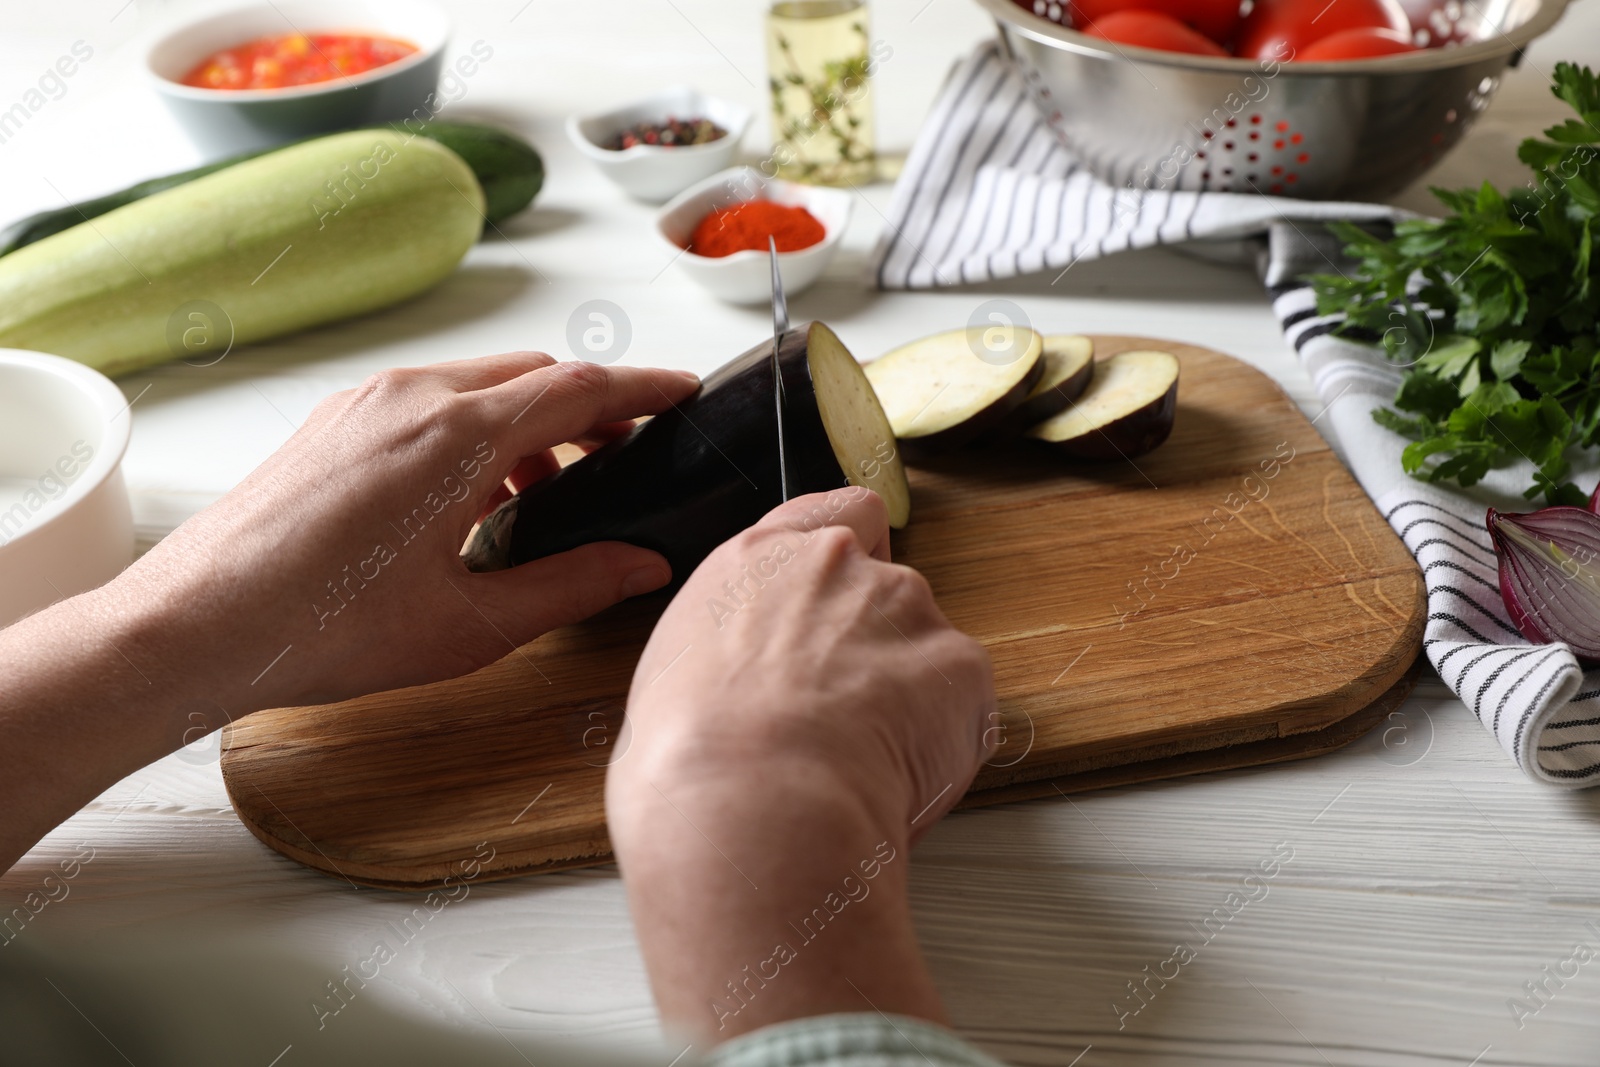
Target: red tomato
column 1217, row 19
column 1282, row 29
column 1356, row 44
column 1151, row 29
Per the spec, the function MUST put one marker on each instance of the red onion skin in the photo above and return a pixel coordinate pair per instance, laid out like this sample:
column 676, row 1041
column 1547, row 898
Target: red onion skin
column 1509, row 594
column 1511, row 585
column 1594, row 500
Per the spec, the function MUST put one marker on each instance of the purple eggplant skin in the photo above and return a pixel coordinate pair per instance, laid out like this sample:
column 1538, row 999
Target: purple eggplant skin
column 994, row 419
column 683, row 482
column 1052, row 402
column 1139, row 431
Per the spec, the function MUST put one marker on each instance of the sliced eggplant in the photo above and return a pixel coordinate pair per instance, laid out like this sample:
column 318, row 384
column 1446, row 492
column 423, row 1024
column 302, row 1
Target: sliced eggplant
column 939, row 394
column 1127, row 410
column 686, row 480
column 1068, row 368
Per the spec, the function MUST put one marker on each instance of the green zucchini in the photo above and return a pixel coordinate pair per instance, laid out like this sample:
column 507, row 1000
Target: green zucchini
column 319, row 231
column 507, row 167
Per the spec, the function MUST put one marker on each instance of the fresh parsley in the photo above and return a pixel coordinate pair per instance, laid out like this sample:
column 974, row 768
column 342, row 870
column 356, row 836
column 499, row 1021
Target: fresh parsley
column 1493, row 312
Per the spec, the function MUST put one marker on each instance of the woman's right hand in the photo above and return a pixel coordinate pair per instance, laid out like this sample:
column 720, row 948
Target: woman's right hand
column 801, row 715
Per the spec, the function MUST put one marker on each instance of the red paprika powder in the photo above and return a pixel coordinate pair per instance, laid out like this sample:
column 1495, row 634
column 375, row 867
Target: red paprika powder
column 747, row 225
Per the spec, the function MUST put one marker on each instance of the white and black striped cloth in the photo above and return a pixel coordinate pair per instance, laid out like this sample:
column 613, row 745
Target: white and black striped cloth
column 989, row 192
column 1541, row 706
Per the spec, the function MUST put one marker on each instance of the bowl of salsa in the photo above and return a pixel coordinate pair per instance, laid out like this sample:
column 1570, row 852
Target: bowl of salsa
column 296, row 58
column 255, row 76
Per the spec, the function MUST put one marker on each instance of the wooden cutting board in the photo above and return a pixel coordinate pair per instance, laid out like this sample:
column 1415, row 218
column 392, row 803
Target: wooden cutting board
column 1231, row 598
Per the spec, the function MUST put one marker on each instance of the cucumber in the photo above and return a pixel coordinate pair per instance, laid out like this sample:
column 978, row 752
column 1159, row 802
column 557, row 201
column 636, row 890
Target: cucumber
column 507, row 167
column 47, row 223
column 267, row 241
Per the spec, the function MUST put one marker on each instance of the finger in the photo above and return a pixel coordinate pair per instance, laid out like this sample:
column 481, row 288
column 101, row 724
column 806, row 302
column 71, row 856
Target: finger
column 603, row 434
column 501, row 493
column 484, row 372
column 556, row 404
column 530, row 469
column 986, row 711
column 568, row 587
column 523, row 473
column 861, row 510
column 461, row 375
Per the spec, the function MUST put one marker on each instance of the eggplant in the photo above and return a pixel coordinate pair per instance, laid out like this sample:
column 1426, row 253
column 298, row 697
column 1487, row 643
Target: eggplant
column 1068, row 369
column 940, row 394
column 685, row 481
column 1128, row 409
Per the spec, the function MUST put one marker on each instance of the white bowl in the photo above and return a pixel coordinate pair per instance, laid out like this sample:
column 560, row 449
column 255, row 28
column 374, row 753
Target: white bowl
column 229, row 121
column 650, row 172
column 65, row 522
column 746, row 277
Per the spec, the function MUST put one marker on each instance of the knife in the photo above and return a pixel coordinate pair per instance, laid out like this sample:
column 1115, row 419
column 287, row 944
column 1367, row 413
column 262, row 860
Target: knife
column 780, row 326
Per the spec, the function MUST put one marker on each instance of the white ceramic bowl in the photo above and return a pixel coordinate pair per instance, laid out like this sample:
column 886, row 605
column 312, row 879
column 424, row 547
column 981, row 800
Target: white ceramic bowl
column 746, row 277
column 649, row 172
column 229, row 121
column 65, row 522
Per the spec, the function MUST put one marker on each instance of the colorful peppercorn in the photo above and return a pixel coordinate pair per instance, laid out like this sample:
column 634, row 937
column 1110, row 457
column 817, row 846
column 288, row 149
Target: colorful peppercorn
column 674, row 133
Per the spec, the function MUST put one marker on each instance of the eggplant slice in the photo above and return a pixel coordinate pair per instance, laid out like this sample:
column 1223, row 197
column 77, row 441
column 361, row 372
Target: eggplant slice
column 1068, row 368
column 856, row 425
column 688, row 479
column 1128, row 409
column 939, row 394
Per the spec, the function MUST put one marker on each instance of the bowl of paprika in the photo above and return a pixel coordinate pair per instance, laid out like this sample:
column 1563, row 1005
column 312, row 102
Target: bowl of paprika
column 719, row 230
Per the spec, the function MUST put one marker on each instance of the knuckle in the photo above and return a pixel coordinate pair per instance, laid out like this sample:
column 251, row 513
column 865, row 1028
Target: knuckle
column 334, row 402
column 835, row 542
column 384, row 383
column 400, row 408
column 579, row 378
column 963, row 661
column 970, row 652
column 859, row 497
column 836, row 537
column 746, row 543
column 909, row 588
column 978, row 668
column 541, row 359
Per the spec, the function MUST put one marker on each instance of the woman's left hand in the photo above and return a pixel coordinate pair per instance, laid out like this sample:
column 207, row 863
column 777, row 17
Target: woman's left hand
column 331, row 571
column 334, row 570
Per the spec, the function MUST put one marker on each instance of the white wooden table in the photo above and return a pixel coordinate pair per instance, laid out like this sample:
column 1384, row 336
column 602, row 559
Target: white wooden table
column 1428, row 881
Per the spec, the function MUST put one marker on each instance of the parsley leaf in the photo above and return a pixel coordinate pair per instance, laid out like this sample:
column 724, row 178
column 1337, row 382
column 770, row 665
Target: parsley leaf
column 1493, row 311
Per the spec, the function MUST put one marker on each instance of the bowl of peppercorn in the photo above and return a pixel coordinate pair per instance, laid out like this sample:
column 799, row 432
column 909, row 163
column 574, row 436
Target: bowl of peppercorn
column 720, row 228
column 659, row 146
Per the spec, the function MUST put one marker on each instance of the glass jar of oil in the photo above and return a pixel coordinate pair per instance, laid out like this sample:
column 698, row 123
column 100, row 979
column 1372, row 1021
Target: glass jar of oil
column 819, row 65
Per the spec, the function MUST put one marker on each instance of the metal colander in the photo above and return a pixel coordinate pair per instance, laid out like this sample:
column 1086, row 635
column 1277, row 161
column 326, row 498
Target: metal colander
column 1356, row 130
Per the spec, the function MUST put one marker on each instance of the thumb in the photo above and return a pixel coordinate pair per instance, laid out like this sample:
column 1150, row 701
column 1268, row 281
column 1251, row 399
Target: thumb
column 569, row 587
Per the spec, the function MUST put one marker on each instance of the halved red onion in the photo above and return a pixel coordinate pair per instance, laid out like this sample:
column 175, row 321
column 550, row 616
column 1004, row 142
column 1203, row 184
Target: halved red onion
column 1550, row 575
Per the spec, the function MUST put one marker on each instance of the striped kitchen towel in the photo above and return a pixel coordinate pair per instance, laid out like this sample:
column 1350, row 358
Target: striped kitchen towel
column 989, row 192
column 1541, row 706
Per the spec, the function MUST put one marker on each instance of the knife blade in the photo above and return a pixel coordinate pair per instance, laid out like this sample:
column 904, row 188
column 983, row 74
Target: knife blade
column 780, row 326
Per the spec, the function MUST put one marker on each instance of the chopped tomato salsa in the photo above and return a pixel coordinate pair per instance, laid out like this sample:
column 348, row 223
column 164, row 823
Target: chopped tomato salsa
column 296, row 59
